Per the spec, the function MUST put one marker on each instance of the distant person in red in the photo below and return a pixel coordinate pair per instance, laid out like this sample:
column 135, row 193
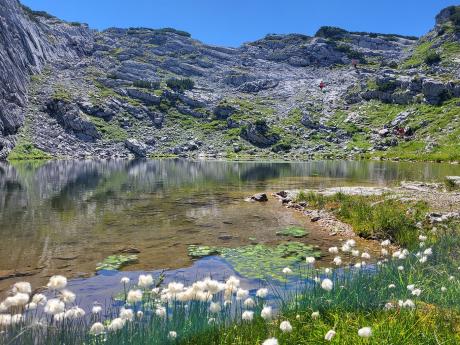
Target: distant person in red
column 354, row 63
column 322, row 85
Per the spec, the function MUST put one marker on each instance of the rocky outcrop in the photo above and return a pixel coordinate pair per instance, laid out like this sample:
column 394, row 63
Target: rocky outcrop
column 259, row 135
column 137, row 148
column 72, row 119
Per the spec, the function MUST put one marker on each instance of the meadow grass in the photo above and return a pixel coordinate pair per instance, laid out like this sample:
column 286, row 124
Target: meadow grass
column 372, row 216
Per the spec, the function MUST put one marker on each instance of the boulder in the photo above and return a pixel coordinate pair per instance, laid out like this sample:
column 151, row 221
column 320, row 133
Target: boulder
column 139, row 149
column 260, row 197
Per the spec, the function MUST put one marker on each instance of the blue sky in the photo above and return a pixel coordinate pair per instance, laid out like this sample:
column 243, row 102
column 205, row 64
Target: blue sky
column 232, row 22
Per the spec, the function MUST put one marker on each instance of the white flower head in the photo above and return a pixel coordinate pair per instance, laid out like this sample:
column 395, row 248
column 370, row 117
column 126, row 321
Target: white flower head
column 249, row 303
column 54, row 306
column 22, row 287
column 286, row 327
column 262, row 293
column 67, row 296
column 333, row 250
column 327, row 284
column 416, row 292
column 97, row 329
column 145, row 281
column 126, row 314
column 310, row 260
column 172, row 335
column 57, row 282
column 247, row 315
column 125, row 280
column 365, row 332
column 287, row 270
column 366, row 256
column 266, row 313
column 329, row 335
column 337, row 261
column 134, row 296
column 215, row 308
column 116, row 324
column 96, row 309
column 315, row 315
column 271, row 341
column 385, row 243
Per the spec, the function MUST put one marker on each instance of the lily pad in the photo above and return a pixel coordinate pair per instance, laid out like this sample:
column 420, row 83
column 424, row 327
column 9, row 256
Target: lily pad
column 115, row 262
column 260, row 261
column 293, row 231
column 196, row 251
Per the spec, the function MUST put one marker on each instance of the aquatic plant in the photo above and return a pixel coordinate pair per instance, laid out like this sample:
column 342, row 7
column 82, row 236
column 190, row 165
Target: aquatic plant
column 293, row 231
column 115, row 262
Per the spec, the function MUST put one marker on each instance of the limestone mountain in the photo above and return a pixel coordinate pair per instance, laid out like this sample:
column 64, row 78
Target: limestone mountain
column 70, row 91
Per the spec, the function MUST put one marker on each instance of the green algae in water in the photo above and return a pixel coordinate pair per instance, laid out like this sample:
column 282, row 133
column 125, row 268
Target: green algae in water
column 293, row 231
column 196, row 251
column 115, row 262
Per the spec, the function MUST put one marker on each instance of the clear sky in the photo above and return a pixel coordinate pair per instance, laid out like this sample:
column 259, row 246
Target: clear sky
column 232, row 22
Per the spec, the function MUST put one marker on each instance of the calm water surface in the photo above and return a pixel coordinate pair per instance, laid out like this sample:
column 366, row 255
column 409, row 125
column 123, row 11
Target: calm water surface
column 66, row 216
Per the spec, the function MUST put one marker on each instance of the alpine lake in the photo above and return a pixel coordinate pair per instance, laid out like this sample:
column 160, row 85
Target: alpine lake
column 97, row 221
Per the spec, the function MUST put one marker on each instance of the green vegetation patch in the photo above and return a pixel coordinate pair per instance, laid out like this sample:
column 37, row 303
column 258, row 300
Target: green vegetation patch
column 293, row 231
column 27, row 151
column 110, row 130
column 115, row 262
column 197, row 251
column 259, row 261
column 375, row 217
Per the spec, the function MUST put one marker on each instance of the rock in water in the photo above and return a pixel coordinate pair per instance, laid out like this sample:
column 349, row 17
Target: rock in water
column 259, row 197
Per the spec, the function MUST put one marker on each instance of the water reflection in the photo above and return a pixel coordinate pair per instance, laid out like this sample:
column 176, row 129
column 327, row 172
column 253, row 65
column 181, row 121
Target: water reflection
column 65, row 216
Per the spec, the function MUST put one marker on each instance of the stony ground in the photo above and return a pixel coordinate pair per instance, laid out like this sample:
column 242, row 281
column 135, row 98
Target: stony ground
column 144, row 92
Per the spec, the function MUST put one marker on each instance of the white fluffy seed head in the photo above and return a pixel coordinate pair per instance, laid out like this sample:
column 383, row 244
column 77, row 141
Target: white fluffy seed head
column 266, row 313
column 329, row 335
column 262, row 293
column 271, row 341
column 145, row 281
column 97, row 328
column 57, row 282
column 247, row 315
column 365, row 332
column 134, row 296
column 286, row 327
column 22, row 287
column 327, row 284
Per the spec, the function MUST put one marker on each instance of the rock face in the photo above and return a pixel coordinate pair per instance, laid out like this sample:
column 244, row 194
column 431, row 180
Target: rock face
column 25, row 48
column 121, row 89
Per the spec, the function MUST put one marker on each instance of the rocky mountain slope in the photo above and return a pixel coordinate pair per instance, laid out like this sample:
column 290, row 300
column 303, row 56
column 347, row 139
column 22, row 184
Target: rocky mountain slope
column 69, row 91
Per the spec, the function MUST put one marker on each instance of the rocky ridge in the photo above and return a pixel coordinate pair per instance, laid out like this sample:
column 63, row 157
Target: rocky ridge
column 72, row 92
